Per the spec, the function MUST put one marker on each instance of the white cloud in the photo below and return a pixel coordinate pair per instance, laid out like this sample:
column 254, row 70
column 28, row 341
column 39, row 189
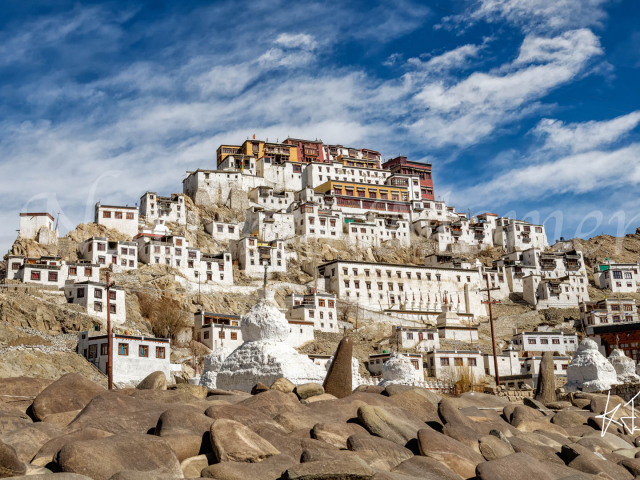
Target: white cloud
column 535, row 15
column 457, row 58
column 299, row 40
column 585, row 136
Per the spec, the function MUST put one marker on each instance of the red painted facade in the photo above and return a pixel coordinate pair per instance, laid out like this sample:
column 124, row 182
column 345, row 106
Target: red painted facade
column 308, row 151
column 403, row 166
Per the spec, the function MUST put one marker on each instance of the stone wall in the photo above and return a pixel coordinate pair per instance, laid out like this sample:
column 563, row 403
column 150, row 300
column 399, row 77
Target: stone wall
column 626, row 391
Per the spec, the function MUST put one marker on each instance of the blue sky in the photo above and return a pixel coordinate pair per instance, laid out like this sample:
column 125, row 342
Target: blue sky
column 528, row 108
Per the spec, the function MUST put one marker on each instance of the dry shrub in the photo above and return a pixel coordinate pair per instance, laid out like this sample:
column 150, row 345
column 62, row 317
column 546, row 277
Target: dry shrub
column 165, row 315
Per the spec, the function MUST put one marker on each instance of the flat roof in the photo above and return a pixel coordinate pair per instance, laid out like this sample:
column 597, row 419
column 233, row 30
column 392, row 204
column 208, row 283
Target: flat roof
column 43, row 214
column 126, row 207
column 402, row 265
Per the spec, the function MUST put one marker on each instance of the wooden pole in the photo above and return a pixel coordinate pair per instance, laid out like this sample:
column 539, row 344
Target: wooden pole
column 109, row 343
column 493, row 334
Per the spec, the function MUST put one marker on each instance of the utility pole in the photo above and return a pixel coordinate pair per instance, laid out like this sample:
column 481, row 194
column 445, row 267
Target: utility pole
column 493, row 335
column 110, row 341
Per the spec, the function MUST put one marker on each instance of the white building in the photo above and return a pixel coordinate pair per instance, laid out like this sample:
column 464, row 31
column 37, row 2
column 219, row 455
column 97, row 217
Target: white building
column 516, row 235
column 450, row 365
column 124, row 219
column 508, row 364
column 253, row 254
column 300, row 332
column 317, row 308
column 93, row 297
column 617, row 277
column 531, row 365
column 169, row 209
column 224, row 231
column 133, row 357
column 269, row 224
column 383, row 286
column 101, row 251
column 213, row 187
column 372, row 229
column 316, row 174
column 545, row 341
column 216, row 330
column 553, row 293
column 312, row 221
column 246, row 164
column 269, row 198
column 51, row 271
column 421, row 339
column 608, row 311
column 38, row 226
column 374, row 365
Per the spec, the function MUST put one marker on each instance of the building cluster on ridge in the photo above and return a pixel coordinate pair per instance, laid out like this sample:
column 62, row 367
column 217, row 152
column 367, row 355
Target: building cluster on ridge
column 306, row 190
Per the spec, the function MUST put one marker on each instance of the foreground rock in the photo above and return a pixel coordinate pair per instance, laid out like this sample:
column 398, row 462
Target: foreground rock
column 70, row 392
column 153, row 381
column 338, row 381
column 546, row 387
column 390, row 423
column 101, row 459
column 457, row 457
column 271, row 468
column 233, row 442
column 348, row 468
column 514, row 467
column 10, row 464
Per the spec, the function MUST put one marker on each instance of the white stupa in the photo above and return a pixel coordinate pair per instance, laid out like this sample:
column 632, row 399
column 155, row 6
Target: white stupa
column 398, row 369
column 264, row 357
column 589, row 370
column 212, row 364
column 625, row 367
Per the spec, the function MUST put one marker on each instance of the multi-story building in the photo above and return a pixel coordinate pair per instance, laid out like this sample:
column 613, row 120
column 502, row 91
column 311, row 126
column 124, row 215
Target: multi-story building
column 133, row 357
column 276, row 152
column 451, row 365
column 382, row 286
column 318, row 308
column 100, row 251
column 316, row 174
column 377, row 360
column 215, row 187
column 93, row 297
column 245, row 164
column 355, row 197
column 514, row 235
column 217, row 330
column 169, row 209
column 38, row 226
column 608, row 311
column 253, row 254
column 373, row 229
column 622, row 336
column 545, row 341
column 124, row 219
column 267, row 197
column 269, row 224
column 307, row 151
column 617, row 277
column 401, row 165
column 313, row 221
column 508, row 364
column 421, row 338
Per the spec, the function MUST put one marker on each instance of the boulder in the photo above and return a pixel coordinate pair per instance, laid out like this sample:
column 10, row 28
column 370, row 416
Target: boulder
column 308, row 390
column 390, row 423
column 133, row 475
column 318, row 398
column 632, row 465
column 347, row 468
column 186, row 421
column 273, row 403
column 153, row 381
column 453, row 454
column 49, row 450
column 285, row 443
column 283, row 385
column 70, row 392
column 569, row 418
column 10, row 464
column 425, row 468
column 589, row 370
column 233, row 442
column 517, row 466
column 240, row 414
column 414, row 402
column 192, row 466
column 26, row 388
column 336, row 434
column 103, row 458
column 185, row 446
column 464, row 435
column 533, row 425
column 12, row 418
column 198, row 391
column 492, row 448
column 338, row 381
column 271, row 468
column 259, row 388
column 28, row 440
column 61, row 419
column 546, row 387
column 52, row 476
column 369, row 389
column 392, row 453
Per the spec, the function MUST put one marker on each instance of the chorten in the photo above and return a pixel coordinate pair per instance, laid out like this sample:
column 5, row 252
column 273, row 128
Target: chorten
column 264, row 356
column 452, row 326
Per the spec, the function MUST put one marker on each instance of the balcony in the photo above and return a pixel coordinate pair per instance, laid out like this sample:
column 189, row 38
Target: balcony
column 418, row 207
column 391, row 222
column 526, row 240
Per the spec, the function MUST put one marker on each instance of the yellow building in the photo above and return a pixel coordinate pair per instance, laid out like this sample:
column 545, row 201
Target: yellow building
column 358, row 162
column 278, row 152
column 365, row 190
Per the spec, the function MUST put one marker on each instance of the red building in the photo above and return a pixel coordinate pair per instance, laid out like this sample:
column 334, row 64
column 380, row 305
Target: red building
column 423, row 170
column 308, row 150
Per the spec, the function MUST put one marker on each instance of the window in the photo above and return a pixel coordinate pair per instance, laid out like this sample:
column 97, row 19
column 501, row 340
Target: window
column 92, row 351
column 97, row 293
column 80, row 293
column 102, row 260
column 53, row 276
column 159, row 352
column 106, row 214
column 331, row 304
column 143, row 351
column 118, row 215
column 444, row 362
column 617, row 274
column 206, row 335
column 321, row 302
column 458, row 362
column 471, row 362
column 35, row 275
column 544, row 341
column 346, row 283
column 130, row 216
column 178, row 242
column 97, row 306
column 87, row 272
column 112, row 308
column 221, row 334
column 104, row 349
column 123, row 349
column 112, row 295
column 532, row 341
column 555, row 341
column 429, row 336
column 234, row 335
column 312, row 313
